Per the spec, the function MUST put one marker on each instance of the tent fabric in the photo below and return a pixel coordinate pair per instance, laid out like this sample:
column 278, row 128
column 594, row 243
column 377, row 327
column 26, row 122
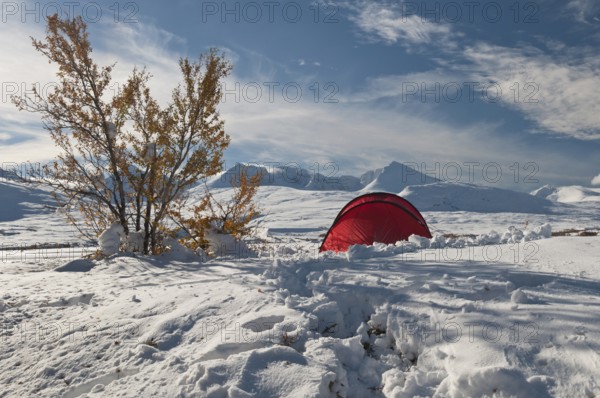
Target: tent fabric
column 385, row 197
column 374, row 217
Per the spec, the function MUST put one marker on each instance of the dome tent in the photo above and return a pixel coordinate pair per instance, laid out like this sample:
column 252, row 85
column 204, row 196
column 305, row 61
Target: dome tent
column 374, row 217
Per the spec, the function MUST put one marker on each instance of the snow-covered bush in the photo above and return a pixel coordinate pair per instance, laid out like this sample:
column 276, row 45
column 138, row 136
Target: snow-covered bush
column 110, row 240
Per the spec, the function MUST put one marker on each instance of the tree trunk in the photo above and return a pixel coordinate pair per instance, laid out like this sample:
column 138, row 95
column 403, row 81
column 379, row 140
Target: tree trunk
column 147, row 227
column 153, row 242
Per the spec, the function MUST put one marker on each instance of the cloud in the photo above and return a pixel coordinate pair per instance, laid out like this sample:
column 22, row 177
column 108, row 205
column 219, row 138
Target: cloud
column 357, row 135
column 559, row 93
column 129, row 45
column 585, row 11
column 139, row 45
column 402, row 86
column 20, row 67
column 388, row 23
column 596, row 180
column 362, row 135
column 554, row 89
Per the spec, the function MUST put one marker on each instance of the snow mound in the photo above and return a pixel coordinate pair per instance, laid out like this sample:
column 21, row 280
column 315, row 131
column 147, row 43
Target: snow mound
column 568, row 194
column 511, row 235
column 356, row 252
column 541, row 232
column 180, row 253
column 394, row 178
column 78, row 265
column 135, row 241
column 110, row 239
column 575, row 194
column 518, row 296
column 493, row 382
column 544, row 192
column 226, row 245
column 439, row 241
column 448, row 196
column 266, row 372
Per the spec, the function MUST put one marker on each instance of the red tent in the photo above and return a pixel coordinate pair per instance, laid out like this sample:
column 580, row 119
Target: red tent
column 374, row 217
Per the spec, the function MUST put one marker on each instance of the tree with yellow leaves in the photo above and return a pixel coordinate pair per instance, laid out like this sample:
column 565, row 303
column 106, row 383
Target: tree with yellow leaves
column 122, row 157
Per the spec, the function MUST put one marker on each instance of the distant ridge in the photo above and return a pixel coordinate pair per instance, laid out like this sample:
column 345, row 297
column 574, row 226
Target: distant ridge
column 288, row 176
column 394, row 178
column 451, row 196
column 568, row 194
column 427, row 193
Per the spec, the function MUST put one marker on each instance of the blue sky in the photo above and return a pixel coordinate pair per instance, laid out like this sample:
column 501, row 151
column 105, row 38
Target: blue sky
column 356, row 83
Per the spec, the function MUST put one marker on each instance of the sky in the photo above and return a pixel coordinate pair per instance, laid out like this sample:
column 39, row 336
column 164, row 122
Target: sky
column 504, row 92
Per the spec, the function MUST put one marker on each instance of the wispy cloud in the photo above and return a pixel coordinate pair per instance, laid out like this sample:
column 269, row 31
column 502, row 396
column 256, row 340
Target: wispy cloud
column 388, row 23
column 401, row 86
column 559, row 93
column 130, row 45
column 556, row 87
column 20, row 132
column 140, row 45
column 586, row 11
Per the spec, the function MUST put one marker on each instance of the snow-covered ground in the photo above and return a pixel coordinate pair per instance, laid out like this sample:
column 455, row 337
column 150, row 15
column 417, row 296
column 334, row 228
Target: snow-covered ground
column 568, row 194
column 512, row 313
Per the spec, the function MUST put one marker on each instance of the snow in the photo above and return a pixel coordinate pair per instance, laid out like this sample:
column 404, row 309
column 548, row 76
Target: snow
column 450, row 196
column 222, row 244
column 568, row 194
column 110, row 240
column 439, row 241
column 290, row 175
column 575, row 194
column 394, row 178
column 78, row 265
column 544, row 191
column 519, row 297
column 134, row 241
column 499, row 308
column 19, row 201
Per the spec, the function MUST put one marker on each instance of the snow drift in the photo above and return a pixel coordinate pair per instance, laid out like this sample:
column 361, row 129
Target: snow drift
column 449, row 196
column 568, row 194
